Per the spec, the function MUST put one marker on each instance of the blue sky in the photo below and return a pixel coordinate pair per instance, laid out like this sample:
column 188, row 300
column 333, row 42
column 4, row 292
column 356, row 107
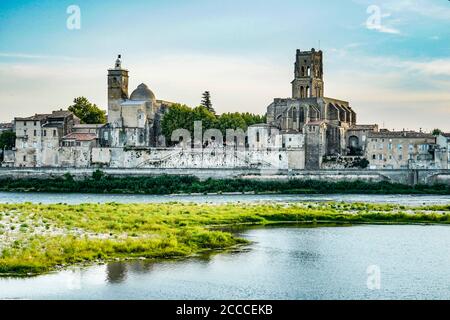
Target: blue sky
column 396, row 74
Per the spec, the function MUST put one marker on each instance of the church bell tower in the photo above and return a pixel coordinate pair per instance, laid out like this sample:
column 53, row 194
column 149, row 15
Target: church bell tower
column 308, row 82
column 117, row 91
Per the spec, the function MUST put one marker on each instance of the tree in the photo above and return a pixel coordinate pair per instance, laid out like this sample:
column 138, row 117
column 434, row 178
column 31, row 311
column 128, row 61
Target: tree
column 231, row 121
column 7, row 140
column 437, row 132
column 87, row 112
column 206, row 102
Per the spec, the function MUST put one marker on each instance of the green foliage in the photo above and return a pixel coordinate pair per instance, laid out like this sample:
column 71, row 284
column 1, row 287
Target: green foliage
column 173, row 229
column 170, row 184
column 206, row 102
column 7, row 140
column 98, row 175
column 437, row 132
column 87, row 112
column 183, row 117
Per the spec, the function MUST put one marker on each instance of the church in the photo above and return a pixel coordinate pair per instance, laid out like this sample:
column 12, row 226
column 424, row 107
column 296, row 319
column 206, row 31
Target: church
column 133, row 120
column 307, row 131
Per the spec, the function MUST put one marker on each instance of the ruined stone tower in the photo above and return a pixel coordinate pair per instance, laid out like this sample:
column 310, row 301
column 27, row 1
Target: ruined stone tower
column 117, row 92
column 308, row 82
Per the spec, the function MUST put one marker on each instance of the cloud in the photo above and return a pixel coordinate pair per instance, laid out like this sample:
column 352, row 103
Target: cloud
column 421, row 7
column 33, row 56
column 384, row 29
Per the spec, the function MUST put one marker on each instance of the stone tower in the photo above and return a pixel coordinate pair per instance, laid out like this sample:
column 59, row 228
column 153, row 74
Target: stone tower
column 117, row 91
column 308, row 82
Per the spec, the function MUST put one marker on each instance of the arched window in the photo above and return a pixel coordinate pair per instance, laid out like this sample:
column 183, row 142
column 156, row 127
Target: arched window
column 302, row 92
column 309, row 71
column 303, row 71
column 307, row 92
column 295, row 115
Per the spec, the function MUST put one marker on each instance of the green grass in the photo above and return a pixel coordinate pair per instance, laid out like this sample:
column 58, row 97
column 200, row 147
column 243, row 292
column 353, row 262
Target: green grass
column 101, row 232
column 101, row 183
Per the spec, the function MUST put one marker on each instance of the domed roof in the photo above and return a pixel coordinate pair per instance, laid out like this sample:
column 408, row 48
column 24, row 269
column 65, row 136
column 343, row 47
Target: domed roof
column 142, row 93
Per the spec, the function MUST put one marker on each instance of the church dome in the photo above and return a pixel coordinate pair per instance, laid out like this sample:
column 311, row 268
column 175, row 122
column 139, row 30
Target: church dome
column 142, row 93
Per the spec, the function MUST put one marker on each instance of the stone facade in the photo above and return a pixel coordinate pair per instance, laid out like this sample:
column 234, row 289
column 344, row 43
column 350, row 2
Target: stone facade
column 400, row 150
column 443, row 151
column 307, row 131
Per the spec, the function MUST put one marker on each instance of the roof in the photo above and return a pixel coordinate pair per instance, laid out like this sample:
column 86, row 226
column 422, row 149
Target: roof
column 447, row 135
column 142, row 93
column 60, row 114
column 88, row 126
column 401, row 134
column 80, row 136
column 364, row 127
column 36, row 117
column 8, row 125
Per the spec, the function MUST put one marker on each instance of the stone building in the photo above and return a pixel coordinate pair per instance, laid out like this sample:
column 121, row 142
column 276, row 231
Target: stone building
column 6, row 127
column 133, row 120
column 443, row 143
column 323, row 121
column 306, row 131
column 38, row 138
column 400, row 150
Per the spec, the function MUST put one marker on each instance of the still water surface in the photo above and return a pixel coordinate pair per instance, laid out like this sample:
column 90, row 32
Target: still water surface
column 281, row 263
column 77, row 198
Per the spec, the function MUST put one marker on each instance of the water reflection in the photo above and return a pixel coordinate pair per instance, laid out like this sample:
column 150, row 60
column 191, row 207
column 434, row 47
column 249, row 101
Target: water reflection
column 280, row 263
column 116, row 272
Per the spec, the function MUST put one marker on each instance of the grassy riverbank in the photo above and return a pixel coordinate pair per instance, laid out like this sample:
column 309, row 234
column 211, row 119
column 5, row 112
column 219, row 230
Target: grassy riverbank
column 39, row 238
column 160, row 185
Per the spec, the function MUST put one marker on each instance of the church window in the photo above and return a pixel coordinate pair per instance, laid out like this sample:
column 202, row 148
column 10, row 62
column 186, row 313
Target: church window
column 295, row 116
column 308, row 71
column 303, row 71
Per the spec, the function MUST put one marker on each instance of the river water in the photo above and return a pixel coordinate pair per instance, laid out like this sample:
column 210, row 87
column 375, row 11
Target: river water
column 360, row 262
column 404, row 262
column 77, row 198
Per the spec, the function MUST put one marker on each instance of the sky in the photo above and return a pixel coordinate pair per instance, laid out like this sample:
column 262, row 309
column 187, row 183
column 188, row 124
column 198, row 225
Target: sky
column 390, row 59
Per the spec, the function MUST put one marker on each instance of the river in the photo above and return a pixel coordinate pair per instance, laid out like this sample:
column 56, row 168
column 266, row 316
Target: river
column 360, row 262
column 77, row 198
column 410, row 262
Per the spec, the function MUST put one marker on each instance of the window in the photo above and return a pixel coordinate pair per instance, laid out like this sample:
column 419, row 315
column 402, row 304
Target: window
column 257, row 136
column 411, row 148
column 390, row 146
column 25, row 123
column 35, row 133
column 24, row 158
column 400, row 147
column 54, row 133
column 374, row 157
column 45, row 133
column 380, row 146
column 400, row 157
column 380, row 157
column 35, row 123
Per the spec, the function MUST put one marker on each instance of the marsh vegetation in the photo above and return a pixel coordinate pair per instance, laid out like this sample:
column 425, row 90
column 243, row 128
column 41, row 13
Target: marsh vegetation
column 36, row 238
